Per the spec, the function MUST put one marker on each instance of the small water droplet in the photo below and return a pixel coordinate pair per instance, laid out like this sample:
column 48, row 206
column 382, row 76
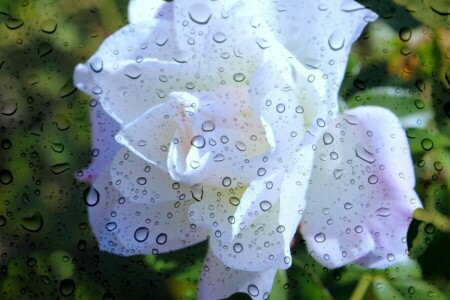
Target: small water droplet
column 281, row 108
column 141, row 180
column 348, row 205
column 327, row 138
column 390, row 257
column 208, row 126
column 49, row 26
column 198, row 141
column 161, row 239
column 373, row 179
column 91, row 196
column 320, row 237
column 240, row 146
column 239, row 77
column 235, row 201
column 219, row 37
column 238, row 248
column 110, row 226
column 383, row 212
column 226, row 182
column 265, row 205
column 405, row 34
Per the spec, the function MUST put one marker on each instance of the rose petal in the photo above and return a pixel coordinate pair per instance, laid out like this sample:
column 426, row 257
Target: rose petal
column 319, row 34
column 104, row 147
column 361, row 197
column 124, row 226
column 145, row 10
column 218, row 281
column 142, row 182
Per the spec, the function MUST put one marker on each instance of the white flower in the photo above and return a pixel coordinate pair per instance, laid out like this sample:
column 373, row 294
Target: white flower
column 227, row 123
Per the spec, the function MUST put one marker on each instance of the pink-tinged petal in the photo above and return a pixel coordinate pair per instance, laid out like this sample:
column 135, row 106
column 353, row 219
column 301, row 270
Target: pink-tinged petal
column 361, row 196
column 125, row 226
column 219, row 281
column 104, row 146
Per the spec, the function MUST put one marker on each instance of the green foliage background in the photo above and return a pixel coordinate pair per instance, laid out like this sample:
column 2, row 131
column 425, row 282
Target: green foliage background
column 47, row 251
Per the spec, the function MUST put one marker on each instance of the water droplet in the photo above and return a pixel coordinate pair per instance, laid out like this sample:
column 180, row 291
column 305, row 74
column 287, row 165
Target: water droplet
column 181, row 56
column 238, row 248
column 91, row 196
column 429, row 228
column 358, row 229
column 2, row 221
column 320, row 122
column 263, row 44
column 239, row 77
column 219, row 157
column 253, row 290
column 226, row 181
column 49, row 26
column 57, row 147
column 281, row 108
column 405, row 34
column 299, row 110
column 60, row 168
column 198, row 141
column 336, row 41
column 141, row 234
column 383, row 212
column 364, row 154
column 390, row 257
column 9, row 107
column 132, row 72
column 235, row 201
column 219, row 37
column 33, row 223
column 261, row 172
column 327, row 138
column 200, row 13
column 208, row 126
column 240, row 146
column 320, row 237
column 373, row 179
column 161, row 239
column 6, row 144
column 67, row 287
column 337, row 173
column 281, row 229
column 141, row 180
column 14, row 23
column 111, row 226
column 427, row 144
column 348, row 205
column 161, row 39
column 265, row 205
column 411, row 290
column 6, row 177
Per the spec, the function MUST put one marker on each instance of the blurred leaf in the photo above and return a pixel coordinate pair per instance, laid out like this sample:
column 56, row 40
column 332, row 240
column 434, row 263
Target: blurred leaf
column 434, row 13
column 412, row 111
column 417, row 289
column 422, row 140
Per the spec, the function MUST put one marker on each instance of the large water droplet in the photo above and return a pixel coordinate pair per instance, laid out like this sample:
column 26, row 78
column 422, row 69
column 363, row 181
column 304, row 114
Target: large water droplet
column 253, row 290
column 91, row 196
column 200, row 13
column 327, row 138
column 33, row 223
column 96, row 64
column 6, row 177
column 141, row 234
column 67, row 287
column 208, row 126
column 336, row 41
column 219, row 37
column 364, row 154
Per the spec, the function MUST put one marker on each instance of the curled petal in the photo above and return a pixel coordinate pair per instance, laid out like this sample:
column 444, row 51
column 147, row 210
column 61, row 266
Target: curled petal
column 219, row 281
column 361, row 196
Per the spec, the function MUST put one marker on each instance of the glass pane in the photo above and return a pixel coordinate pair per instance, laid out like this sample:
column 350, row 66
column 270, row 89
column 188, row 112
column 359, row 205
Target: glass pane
column 214, row 149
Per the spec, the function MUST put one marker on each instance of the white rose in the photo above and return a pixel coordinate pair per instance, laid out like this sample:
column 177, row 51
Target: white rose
column 227, row 123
